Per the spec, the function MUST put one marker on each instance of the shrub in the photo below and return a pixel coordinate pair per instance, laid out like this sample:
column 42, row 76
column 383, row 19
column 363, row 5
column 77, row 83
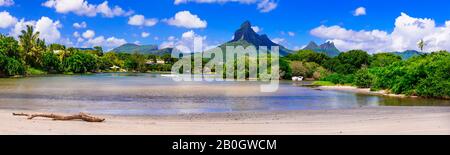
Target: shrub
column 80, row 63
column 51, row 62
column 363, row 79
column 337, row 78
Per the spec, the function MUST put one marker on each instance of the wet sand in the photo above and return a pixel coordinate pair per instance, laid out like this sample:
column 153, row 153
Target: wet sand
column 373, row 120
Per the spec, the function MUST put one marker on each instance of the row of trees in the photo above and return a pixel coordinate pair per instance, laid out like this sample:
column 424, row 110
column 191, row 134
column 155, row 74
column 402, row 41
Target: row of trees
column 17, row 57
column 425, row 75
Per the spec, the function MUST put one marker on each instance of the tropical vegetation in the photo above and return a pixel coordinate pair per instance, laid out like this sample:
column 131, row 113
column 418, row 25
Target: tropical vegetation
column 426, row 75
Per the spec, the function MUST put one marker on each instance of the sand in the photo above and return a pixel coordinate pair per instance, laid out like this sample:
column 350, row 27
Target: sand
column 366, row 91
column 373, row 120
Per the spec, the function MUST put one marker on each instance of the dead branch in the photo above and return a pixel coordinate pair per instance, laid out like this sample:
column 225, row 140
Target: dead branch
column 81, row 116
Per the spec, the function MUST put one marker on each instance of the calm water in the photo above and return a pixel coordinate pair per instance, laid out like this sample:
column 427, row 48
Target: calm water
column 152, row 94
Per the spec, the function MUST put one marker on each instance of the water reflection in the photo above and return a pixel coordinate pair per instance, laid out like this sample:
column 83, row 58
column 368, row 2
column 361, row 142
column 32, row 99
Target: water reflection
column 153, row 94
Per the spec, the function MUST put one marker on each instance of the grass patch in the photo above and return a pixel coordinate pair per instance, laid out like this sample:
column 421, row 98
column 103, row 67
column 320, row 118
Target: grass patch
column 68, row 73
column 34, row 71
column 323, row 83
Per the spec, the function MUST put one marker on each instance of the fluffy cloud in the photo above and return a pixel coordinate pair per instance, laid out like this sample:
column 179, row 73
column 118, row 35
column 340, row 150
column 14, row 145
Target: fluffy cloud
column 360, row 11
column 291, row 34
column 88, row 34
column 256, row 29
column 267, row 6
column 6, row 2
column 407, row 32
column 107, row 43
column 186, row 42
column 187, row 20
column 76, row 34
column 7, row 20
column 262, row 5
column 140, row 20
column 81, row 25
column 145, row 34
column 83, row 8
column 48, row 29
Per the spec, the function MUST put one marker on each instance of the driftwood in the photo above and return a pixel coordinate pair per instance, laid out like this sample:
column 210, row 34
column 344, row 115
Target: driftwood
column 81, row 116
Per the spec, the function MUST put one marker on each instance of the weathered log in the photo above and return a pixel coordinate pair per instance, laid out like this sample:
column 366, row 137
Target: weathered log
column 81, row 116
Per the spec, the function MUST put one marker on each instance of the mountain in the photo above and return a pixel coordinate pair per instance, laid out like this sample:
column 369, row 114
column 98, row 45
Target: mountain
column 141, row 49
column 327, row 48
column 246, row 36
column 408, row 53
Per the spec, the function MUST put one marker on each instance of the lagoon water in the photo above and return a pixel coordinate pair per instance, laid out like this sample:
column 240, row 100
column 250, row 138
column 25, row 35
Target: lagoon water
column 153, row 94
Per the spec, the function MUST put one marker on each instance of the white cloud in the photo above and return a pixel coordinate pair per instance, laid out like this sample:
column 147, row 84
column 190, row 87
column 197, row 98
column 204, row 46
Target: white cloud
column 76, row 34
column 83, row 8
column 278, row 40
column 140, row 20
column 262, row 5
column 81, row 25
column 291, row 34
column 107, row 43
column 88, row 34
column 360, row 11
column 7, row 20
column 256, row 29
column 407, row 32
column 187, row 20
column 267, row 6
column 6, row 2
column 188, row 34
column 186, row 42
column 48, row 29
column 79, row 40
column 145, row 34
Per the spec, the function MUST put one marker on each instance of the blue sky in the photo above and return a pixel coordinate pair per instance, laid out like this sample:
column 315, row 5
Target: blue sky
column 292, row 23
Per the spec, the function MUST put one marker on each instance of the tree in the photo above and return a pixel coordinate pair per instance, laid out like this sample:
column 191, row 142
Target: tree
column 308, row 56
column 384, row 59
column 10, row 57
column 421, row 44
column 363, row 79
column 135, row 63
column 51, row 62
column 32, row 46
column 348, row 62
column 81, row 63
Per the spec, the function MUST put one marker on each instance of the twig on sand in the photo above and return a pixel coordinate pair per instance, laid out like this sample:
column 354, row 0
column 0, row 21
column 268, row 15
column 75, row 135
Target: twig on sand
column 81, row 116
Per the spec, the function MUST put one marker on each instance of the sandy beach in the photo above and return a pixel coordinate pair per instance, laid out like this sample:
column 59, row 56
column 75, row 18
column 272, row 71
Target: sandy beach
column 366, row 91
column 376, row 120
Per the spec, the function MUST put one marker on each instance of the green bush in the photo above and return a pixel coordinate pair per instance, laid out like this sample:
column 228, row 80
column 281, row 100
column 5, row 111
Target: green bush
column 10, row 57
column 51, row 62
column 10, row 66
column 337, row 78
column 426, row 75
column 80, row 63
column 363, row 79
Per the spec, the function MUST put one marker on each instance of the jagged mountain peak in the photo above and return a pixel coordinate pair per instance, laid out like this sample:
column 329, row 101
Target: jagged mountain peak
column 312, row 45
column 246, row 35
column 328, row 48
column 246, row 24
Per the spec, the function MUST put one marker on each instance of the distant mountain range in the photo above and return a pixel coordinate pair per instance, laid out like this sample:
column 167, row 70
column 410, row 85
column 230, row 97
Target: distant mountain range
column 327, row 48
column 246, row 36
column 408, row 53
column 141, row 49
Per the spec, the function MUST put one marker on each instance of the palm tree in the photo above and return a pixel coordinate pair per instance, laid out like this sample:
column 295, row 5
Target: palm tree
column 31, row 45
column 421, row 44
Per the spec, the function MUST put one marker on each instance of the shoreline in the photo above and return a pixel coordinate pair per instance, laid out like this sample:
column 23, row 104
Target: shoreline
column 373, row 120
column 366, row 91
